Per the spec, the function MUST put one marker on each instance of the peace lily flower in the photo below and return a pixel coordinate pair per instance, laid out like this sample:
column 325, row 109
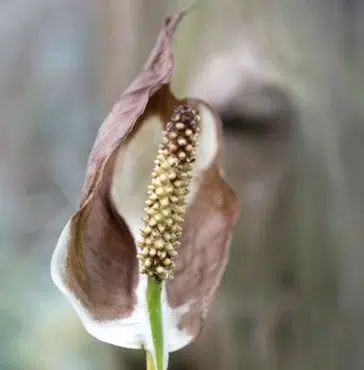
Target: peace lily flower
column 143, row 256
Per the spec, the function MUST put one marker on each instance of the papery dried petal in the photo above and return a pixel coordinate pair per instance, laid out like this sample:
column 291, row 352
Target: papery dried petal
column 95, row 262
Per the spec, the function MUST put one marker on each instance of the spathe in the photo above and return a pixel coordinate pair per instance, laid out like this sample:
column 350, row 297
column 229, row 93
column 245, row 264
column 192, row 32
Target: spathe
column 95, row 262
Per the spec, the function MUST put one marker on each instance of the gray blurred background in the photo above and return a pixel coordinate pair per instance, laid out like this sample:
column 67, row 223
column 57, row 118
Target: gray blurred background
column 287, row 77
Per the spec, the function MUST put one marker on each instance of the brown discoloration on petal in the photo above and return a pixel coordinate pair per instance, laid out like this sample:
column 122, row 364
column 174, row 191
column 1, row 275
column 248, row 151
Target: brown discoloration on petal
column 204, row 245
column 120, row 121
column 102, row 269
column 101, row 266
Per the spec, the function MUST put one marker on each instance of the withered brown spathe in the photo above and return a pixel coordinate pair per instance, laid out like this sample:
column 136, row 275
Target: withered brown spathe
column 95, row 262
column 167, row 195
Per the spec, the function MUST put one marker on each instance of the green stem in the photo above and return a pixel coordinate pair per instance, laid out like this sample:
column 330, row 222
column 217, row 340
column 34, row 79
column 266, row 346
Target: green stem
column 154, row 290
column 150, row 365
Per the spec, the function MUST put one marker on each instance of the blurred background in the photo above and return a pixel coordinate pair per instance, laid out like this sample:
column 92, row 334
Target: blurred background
column 287, row 77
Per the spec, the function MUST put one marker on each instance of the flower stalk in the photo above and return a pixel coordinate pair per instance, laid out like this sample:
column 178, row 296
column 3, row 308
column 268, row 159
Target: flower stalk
column 150, row 365
column 156, row 326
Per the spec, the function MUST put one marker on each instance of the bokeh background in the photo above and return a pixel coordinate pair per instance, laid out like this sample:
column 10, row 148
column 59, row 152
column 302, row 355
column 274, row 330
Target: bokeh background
column 287, row 77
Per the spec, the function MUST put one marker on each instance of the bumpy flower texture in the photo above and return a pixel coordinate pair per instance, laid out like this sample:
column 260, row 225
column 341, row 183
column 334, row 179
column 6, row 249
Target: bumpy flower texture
column 167, row 194
column 154, row 204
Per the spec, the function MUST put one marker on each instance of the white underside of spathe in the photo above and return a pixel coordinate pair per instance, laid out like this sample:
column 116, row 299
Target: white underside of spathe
column 132, row 175
column 121, row 332
column 131, row 332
